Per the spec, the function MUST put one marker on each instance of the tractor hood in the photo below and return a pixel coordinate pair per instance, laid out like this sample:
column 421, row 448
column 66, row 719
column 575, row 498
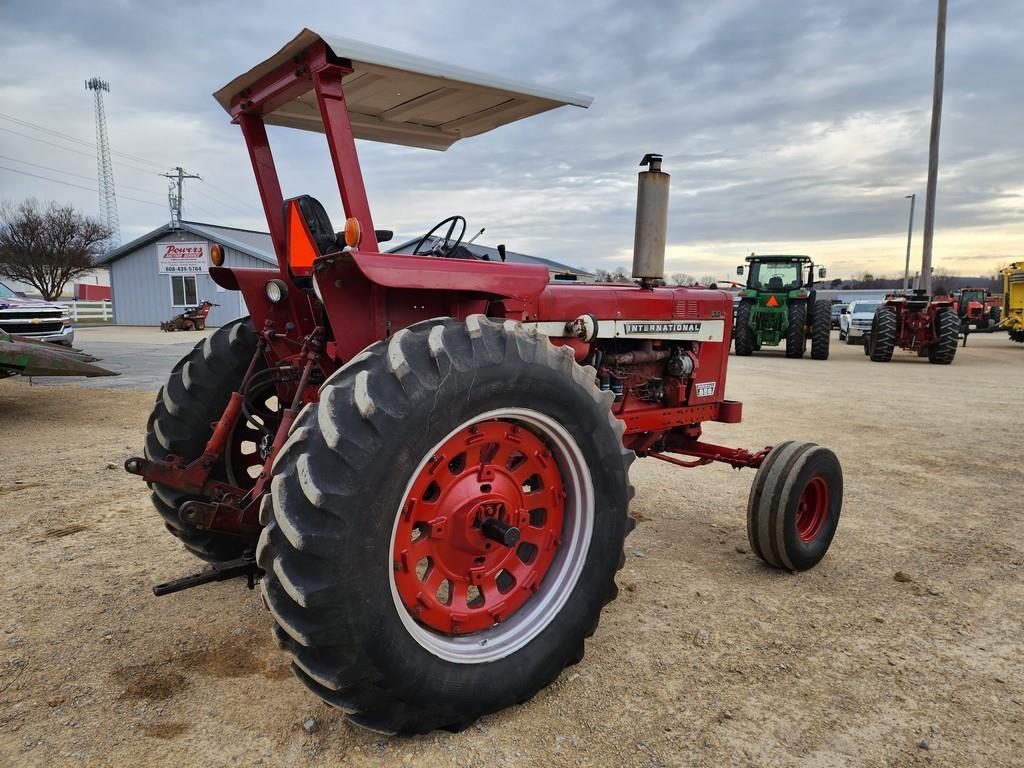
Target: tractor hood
column 399, row 98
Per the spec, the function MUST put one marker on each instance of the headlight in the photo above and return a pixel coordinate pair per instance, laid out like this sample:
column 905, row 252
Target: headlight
column 276, row 291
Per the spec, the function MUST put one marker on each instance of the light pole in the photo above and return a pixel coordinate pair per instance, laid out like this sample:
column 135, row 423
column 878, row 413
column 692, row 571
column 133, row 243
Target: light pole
column 910, row 231
column 933, row 148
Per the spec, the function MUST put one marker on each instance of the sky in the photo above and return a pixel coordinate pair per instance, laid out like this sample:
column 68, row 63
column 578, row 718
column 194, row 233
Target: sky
column 787, row 126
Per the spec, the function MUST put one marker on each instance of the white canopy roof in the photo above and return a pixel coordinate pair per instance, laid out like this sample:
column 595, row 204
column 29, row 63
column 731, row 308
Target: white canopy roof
column 399, row 98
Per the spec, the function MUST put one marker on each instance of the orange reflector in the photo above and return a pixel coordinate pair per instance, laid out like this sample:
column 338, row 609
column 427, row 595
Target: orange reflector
column 301, row 249
column 352, row 232
column 217, row 254
column 772, row 302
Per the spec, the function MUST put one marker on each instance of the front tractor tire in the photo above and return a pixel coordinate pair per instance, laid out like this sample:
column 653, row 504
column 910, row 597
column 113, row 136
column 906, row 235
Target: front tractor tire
column 444, row 526
column 796, row 331
column 821, row 329
column 947, row 334
column 883, row 335
column 187, row 406
column 794, row 505
column 745, row 342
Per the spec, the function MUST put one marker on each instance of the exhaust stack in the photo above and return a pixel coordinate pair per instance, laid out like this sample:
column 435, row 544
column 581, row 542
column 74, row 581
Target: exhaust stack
column 651, row 222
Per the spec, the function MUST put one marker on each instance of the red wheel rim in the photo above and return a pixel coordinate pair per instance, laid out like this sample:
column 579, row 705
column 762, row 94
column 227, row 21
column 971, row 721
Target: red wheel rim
column 452, row 576
column 812, row 510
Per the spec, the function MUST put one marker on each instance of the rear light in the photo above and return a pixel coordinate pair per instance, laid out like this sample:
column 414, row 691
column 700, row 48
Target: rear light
column 276, row 291
column 352, row 233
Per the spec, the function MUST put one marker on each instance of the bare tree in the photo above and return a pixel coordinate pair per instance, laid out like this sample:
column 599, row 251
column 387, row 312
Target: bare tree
column 46, row 246
column 681, row 278
column 707, row 280
column 601, row 276
column 619, row 275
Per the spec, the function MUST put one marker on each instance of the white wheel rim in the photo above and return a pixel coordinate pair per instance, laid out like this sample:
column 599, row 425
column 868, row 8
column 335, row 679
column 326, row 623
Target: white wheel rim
column 536, row 614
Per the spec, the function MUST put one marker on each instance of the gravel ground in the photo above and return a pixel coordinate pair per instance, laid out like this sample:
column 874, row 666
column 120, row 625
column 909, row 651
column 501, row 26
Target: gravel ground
column 903, row 647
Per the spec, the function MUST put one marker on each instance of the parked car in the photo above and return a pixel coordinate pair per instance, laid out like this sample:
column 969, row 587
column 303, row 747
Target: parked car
column 837, row 311
column 34, row 318
column 855, row 324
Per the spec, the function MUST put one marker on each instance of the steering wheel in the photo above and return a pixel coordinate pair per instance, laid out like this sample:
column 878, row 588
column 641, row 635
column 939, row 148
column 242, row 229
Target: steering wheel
column 442, row 248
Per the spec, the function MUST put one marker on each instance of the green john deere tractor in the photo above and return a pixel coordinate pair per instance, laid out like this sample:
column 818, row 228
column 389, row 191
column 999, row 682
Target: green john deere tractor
column 779, row 303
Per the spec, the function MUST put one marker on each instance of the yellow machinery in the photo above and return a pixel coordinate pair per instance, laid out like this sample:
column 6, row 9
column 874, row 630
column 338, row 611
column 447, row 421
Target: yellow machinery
column 1013, row 300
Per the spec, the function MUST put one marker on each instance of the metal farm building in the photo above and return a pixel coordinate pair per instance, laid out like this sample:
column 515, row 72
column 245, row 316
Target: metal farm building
column 147, row 289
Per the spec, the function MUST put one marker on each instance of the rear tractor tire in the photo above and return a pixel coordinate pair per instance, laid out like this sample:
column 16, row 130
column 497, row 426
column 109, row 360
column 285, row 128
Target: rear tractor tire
column 745, row 343
column 796, row 331
column 821, row 329
column 883, row 335
column 187, row 406
column 947, row 334
column 794, row 505
column 445, row 525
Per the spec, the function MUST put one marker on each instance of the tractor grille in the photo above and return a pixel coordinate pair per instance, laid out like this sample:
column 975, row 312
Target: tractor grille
column 685, row 308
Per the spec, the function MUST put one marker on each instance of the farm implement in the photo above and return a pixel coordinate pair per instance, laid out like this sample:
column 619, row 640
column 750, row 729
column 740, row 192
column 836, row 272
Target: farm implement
column 192, row 319
column 27, row 357
column 425, row 458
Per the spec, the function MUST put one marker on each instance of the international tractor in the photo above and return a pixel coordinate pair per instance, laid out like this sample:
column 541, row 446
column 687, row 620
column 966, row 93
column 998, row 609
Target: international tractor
column 424, row 458
column 916, row 322
column 1013, row 301
column 779, row 303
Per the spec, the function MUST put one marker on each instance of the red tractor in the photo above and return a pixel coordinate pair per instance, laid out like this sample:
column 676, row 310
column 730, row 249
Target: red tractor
column 425, row 458
column 928, row 326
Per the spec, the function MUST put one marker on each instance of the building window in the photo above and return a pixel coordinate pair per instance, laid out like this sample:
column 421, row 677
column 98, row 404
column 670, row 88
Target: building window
column 183, row 291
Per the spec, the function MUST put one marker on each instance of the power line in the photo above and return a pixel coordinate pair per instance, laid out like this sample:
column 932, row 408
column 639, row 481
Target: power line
column 76, row 151
column 78, row 186
column 75, row 139
column 77, row 175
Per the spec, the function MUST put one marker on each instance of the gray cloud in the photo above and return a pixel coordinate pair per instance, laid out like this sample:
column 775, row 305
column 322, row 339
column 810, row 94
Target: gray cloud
column 780, row 121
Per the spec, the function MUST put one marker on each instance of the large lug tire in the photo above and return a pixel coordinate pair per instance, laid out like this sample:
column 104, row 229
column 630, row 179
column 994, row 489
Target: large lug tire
column 743, row 332
column 342, row 568
column 186, row 407
column 883, row 335
column 796, row 331
column 1017, row 335
column 821, row 329
column 794, row 505
column 947, row 334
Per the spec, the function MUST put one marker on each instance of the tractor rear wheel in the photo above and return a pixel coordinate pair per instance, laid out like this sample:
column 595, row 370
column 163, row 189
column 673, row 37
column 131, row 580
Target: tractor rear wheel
column 883, row 334
column 1017, row 335
column 187, row 406
column 744, row 334
column 445, row 525
column 794, row 505
column 796, row 332
column 947, row 334
column 821, row 329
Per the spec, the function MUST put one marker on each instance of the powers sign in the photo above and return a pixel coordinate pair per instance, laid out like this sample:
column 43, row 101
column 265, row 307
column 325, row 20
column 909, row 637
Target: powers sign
column 182, row 258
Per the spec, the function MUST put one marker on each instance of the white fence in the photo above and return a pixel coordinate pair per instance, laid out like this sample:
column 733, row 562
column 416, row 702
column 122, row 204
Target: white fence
column 90, row 310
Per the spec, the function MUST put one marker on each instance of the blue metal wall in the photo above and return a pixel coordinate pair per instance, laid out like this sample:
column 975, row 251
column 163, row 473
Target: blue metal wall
column 142, row 296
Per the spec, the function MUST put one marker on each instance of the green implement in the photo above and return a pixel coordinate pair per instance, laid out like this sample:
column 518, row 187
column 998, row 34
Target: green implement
column 779, row 303
column 28, row 357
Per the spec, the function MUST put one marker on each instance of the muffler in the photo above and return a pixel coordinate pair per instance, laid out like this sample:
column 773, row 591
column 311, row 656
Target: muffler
column 651, row 222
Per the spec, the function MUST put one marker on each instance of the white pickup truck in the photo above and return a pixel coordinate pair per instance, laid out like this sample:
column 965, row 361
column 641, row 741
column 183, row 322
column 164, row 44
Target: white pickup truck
column 34, row 318
column 855, row 323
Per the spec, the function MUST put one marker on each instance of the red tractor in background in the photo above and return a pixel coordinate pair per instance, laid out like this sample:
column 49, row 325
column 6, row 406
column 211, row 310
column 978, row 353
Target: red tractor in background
column 425, row 458
column 915, row 322
column 979, row 312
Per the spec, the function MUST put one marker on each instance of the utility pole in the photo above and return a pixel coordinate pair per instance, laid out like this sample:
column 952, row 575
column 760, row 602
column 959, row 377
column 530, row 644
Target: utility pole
column 174, row 192
column 104, row 166
column 933, row 148
column 910, row 231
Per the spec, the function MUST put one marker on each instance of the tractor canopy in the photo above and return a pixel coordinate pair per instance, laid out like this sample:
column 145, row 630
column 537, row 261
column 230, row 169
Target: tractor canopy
column 392, row 97
column 777, row 274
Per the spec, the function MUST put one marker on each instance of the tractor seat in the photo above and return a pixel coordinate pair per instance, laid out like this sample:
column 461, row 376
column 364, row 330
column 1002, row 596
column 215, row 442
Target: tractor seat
column 775, row 284
column 318, row 222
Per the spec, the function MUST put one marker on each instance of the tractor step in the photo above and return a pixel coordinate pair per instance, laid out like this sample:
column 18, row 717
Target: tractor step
column 230, row 569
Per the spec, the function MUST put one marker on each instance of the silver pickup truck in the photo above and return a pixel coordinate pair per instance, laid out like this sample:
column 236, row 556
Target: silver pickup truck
column 855, row 323
column 34, row 318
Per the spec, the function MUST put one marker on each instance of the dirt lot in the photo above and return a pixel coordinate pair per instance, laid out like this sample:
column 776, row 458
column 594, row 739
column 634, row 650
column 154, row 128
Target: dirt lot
column 843, row 665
